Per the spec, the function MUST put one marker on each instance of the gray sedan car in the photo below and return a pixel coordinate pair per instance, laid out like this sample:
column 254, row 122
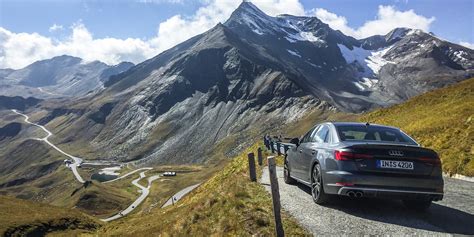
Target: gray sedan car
column 364, row 160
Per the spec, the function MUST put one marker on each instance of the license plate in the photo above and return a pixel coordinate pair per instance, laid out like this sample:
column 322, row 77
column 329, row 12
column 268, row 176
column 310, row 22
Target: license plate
column 392, row 164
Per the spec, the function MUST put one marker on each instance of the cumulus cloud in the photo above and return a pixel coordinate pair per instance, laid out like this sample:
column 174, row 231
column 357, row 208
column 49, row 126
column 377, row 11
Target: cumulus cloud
column 17, row 50
column 20, row 49
column 467, row 44
column 55, row 27
column 388, row 18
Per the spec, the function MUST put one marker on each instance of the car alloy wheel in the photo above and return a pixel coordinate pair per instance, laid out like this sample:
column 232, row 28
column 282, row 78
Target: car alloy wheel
column 316, row 184
column 317, row 190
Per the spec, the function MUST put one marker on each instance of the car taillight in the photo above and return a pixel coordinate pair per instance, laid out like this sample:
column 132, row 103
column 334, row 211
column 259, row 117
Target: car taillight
column 346, row 155
column 432, row 161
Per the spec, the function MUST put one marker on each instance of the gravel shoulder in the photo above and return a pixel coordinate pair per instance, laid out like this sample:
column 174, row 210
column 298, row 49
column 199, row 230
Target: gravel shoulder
column 453, row 215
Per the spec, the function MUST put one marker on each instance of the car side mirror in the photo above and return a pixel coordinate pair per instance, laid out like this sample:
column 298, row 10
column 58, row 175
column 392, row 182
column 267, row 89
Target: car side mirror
column 295, row 141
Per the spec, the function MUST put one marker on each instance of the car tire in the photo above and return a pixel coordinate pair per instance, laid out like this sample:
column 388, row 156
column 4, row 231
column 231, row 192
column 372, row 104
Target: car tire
column 317, row 187
column 286, row 174
column 418, row 205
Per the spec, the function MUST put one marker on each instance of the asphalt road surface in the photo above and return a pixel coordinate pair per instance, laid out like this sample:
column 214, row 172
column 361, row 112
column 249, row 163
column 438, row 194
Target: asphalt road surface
column 177, row 196
column 128, row 174
column 344, row 216
column 77, row 160
column 144, row 193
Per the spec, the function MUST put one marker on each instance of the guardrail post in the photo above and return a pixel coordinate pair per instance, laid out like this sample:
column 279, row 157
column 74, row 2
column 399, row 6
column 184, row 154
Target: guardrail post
column 272, row 147
column 259, row 156
column 278, row 148
column 252, row 173
column 275, row 196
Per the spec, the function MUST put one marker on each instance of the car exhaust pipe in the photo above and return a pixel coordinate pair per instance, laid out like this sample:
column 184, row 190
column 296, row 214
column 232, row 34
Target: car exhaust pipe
column 351, row 194
column 359, row 194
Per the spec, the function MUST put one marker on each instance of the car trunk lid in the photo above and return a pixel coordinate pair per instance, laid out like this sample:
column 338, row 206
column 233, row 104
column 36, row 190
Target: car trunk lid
column 394, row 159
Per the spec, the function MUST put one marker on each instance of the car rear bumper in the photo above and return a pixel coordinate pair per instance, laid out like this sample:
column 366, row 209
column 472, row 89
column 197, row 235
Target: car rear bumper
column 397, row 187
column 390, row 193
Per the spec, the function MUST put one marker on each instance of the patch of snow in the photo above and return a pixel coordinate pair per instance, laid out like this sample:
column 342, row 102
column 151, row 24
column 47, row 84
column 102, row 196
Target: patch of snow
column 376, row 61
column 309, row 36
column 368, row 82
column 460, row 54
column 371, row 60
column 257, row 31
column 293, row 53
column 110, row 170
column 305, row 36
column 358, row 84
column 249, row 20
column 314, row 65
column 290, row 39
column 365, row 83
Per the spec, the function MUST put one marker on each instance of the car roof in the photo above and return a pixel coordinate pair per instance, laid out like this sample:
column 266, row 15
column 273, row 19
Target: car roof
column 359, row 123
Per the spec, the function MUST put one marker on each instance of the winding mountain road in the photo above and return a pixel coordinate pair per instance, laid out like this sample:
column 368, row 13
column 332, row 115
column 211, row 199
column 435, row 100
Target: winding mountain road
column 143, row 190
column 127, row 174
column 454, row 215
column 77, row 160
column 177, row 196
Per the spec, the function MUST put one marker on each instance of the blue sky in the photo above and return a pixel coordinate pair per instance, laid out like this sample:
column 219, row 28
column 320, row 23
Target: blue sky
column 139, row 21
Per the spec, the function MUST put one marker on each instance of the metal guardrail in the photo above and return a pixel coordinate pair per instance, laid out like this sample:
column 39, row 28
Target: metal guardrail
column 278, row 147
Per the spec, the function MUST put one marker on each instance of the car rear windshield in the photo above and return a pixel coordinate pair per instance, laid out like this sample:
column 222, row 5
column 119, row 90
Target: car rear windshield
column 372, row 133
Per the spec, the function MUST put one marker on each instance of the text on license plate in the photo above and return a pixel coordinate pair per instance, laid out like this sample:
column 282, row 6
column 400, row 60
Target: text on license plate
column 392, row 164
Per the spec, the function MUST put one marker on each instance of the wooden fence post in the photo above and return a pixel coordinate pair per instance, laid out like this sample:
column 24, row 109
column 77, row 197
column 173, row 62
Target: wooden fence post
column 259, row 156
column 252, row 173
column 275, row 196
column 278, row 148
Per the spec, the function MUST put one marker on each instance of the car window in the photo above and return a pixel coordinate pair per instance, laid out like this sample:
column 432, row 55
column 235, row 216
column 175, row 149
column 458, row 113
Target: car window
column 321, row 135
column 307, row 137
column 372, row 133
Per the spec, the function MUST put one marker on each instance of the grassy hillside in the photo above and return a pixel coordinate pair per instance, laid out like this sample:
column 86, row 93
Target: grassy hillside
column 442, row 120
column 25, row 218
column 226, row 204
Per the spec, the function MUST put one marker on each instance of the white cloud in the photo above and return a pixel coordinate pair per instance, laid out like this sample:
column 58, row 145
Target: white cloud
column 467, row 44
column 55, row 27
column 20, row 49
column 17, row 50
column 386, row 20
column 333, row 20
